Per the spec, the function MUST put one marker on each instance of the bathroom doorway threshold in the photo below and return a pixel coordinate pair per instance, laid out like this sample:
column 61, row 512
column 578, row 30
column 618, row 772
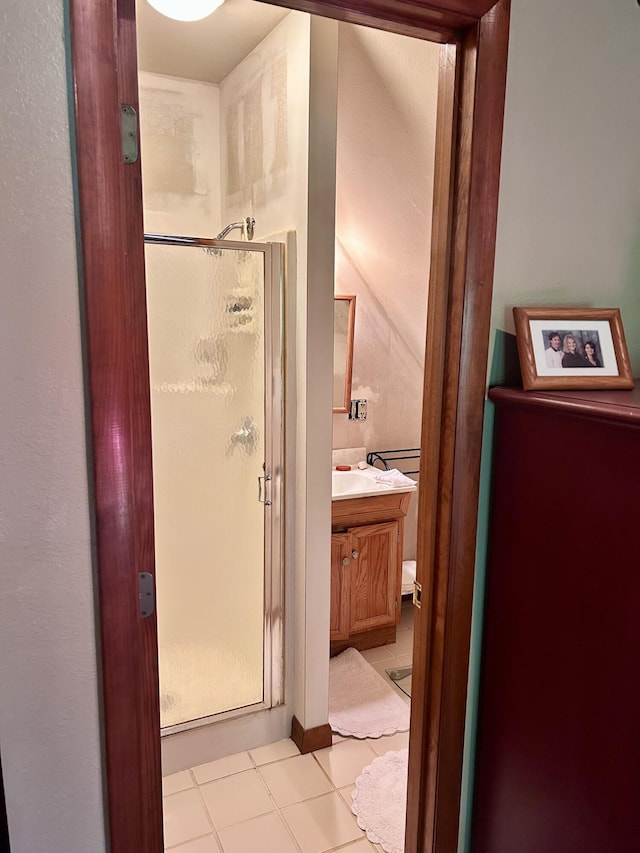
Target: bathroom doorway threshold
column 474, row 39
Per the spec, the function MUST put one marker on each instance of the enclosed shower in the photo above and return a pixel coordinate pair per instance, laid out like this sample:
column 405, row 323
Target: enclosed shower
column 215, row 373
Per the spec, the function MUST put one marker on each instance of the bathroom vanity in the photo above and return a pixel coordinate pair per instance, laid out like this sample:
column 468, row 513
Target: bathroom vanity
column 366, row 567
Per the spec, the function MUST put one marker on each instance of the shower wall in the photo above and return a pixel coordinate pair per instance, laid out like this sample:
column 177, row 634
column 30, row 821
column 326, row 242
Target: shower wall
column 180, row 144
column 387, row 98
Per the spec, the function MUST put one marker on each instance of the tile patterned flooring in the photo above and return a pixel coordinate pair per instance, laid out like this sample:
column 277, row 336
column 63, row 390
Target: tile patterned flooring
column 274, row 800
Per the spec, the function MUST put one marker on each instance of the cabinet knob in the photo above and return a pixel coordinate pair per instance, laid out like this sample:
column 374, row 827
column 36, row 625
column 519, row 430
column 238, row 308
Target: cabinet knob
column 355, row 554
column 346, row 561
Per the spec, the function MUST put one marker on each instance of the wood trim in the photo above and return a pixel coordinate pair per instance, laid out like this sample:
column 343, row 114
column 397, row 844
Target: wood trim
column 471, row 99
column 140, row 415
column 420, row 806
column 420, row 20
column 114, row 327
column 618, row 406
column 309, row 740
column 444, row 623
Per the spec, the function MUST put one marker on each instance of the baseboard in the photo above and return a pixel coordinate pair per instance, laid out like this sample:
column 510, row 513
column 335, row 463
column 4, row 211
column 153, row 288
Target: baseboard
column 309, row 740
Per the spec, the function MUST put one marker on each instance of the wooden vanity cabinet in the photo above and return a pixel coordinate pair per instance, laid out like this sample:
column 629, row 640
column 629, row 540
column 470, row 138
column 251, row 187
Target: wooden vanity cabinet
column 366, row 570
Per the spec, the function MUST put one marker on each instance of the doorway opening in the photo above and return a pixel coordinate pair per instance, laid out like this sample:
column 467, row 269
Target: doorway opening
column 381, row 244
column 473, row 68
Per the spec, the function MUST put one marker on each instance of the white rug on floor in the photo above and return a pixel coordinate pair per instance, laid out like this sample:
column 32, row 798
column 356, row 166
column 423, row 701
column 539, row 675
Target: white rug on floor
column 380, row 800
column 361, row 703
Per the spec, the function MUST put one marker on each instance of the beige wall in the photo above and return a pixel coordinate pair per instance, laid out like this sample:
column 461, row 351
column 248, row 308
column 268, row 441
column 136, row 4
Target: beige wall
column 264, row 110
column 180, row 148
column 387, row 87
column 49, row 719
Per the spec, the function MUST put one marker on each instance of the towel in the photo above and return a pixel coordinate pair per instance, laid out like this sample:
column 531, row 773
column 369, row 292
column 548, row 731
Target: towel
column 408, row 576
column 394, row 478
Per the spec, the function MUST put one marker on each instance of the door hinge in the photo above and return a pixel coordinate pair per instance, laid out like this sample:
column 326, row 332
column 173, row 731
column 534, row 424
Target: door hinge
column 129, row 128
column 146, row 594
column 417, row 594
column 398, row 537
column 396, row 602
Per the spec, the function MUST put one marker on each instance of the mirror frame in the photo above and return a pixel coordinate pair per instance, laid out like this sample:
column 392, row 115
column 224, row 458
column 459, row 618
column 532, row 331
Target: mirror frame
column 351, row 322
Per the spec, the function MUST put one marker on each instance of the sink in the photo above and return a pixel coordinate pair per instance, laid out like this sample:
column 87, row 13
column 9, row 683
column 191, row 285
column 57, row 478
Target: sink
column 362, row 483
column 348, row 482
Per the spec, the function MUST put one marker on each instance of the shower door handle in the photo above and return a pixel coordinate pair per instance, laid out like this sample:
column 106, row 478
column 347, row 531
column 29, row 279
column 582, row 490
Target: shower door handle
column 263, row 481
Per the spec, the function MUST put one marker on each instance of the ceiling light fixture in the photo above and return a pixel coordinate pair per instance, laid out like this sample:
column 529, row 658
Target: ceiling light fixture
column 185, row 10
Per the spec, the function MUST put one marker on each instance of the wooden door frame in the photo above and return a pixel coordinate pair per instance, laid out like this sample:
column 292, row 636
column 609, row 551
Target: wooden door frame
column 468, row 146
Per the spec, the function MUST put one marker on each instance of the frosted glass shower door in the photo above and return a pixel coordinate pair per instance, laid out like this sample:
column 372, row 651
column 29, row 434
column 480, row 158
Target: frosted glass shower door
column 214, row 343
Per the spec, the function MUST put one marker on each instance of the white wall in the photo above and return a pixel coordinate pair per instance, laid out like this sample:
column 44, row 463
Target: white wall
column 385, row 164
column 49, row 727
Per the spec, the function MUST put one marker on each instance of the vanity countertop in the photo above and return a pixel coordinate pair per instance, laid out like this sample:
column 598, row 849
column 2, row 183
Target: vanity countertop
column 367, row 481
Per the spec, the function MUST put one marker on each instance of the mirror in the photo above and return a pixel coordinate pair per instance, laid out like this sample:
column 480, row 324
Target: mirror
column 344, row 315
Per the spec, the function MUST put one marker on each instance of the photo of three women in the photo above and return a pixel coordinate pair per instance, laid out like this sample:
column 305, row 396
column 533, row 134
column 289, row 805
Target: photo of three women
column 563, row 350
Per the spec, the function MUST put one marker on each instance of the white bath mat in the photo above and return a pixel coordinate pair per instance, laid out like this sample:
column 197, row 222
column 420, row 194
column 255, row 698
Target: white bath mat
column 361, row 703
column 380, row 800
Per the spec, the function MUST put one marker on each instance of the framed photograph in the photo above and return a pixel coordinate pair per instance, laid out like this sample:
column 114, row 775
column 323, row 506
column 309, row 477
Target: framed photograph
column 572, row 348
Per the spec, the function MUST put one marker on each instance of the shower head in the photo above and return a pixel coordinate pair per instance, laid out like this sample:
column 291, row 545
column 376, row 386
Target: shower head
column 247, row 225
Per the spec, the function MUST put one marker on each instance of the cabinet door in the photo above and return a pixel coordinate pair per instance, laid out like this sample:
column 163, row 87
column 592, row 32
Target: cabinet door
column 339, row 620
column 375, row 576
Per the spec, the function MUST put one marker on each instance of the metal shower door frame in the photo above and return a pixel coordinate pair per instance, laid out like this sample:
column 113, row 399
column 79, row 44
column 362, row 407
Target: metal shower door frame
column 273, row 605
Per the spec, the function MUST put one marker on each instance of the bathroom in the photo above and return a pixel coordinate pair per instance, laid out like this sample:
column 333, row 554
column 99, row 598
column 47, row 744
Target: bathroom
column 315, row 194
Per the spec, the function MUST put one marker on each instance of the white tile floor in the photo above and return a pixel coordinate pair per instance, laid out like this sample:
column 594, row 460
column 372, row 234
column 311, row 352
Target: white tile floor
column 274, row 800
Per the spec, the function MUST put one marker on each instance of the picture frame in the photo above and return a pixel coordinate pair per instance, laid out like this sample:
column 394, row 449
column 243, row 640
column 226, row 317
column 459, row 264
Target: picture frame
column 591, row 351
